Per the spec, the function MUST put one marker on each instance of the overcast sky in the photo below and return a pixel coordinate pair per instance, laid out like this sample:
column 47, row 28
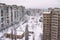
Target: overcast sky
column 33, row 3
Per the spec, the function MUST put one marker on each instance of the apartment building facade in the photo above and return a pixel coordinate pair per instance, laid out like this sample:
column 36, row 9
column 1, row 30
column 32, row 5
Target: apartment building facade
column 52, row 31
column 3, row 16
column 10, row 15
column 55, row 24
column 46, row 26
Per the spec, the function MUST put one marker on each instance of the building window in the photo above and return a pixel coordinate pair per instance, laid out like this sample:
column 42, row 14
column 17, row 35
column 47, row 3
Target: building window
column 2, row 19
column 2, row 25
column 7, row 9
column 1, row 12
column 7, row 21
column 7, row 17
column 54, row 14
column 44, row 17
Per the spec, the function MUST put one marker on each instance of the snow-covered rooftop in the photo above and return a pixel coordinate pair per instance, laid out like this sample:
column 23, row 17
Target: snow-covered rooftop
column 46, row 12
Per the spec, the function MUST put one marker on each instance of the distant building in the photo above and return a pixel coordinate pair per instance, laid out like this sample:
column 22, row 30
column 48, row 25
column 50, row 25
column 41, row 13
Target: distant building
column 35, row 12
column 49, row 9
column 51, row 25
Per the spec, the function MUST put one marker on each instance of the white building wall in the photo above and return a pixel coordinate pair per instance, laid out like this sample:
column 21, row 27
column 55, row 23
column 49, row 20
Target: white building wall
column 9, row 11
column 0, row 17
column 13, row 15
column 4, row 16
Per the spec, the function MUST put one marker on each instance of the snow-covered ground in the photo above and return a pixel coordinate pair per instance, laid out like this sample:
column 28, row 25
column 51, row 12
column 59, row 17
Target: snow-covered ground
column 36, row 26
column 33, row 25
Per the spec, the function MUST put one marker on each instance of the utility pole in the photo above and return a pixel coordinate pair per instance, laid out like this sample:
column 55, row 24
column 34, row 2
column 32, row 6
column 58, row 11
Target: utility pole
column 11, row 34
column 26, row 32
column 15, row 33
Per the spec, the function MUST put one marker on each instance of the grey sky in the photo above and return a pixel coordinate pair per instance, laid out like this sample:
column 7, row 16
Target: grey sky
column 33, row 3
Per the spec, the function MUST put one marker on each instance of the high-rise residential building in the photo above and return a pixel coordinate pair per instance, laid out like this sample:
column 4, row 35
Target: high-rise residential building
column 10, row 15
column 46, row 26
column 55, row 24
column 3, row 16
column 51, row 25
